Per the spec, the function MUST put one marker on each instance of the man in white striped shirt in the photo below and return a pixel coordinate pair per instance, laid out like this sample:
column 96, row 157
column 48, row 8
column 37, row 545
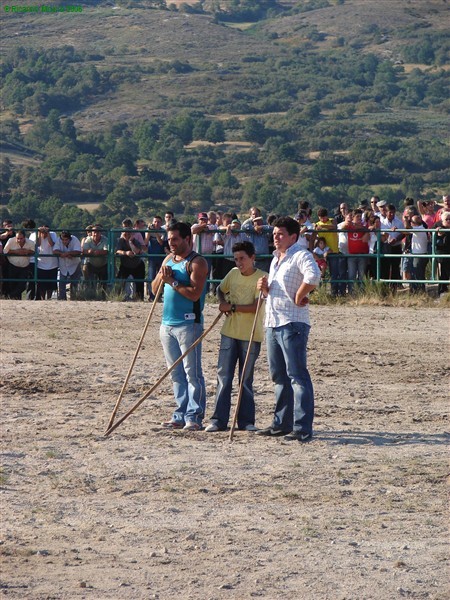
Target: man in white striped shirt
column 293, row 274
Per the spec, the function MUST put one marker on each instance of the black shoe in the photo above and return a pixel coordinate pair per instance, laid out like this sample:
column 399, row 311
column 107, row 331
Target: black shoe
column 298, row 436
column 270, row 431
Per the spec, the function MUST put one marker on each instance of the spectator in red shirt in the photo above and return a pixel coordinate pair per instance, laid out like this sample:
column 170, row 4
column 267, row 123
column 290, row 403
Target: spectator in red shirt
column 358, row 243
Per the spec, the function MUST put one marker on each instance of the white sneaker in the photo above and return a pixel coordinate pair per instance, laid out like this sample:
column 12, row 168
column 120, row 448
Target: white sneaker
column 250, row 427
column 191, row 426
column 212, row 427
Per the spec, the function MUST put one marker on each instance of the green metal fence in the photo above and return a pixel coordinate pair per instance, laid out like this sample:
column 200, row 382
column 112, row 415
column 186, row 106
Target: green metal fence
column 113, row 235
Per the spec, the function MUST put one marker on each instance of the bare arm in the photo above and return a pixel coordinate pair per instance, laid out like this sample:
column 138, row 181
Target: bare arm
column 196, row 285
column 228, row 307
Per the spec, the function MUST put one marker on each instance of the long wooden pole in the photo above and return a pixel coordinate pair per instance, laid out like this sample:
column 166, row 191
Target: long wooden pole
column 161, row 379
column 125, row 383
column 241, row 386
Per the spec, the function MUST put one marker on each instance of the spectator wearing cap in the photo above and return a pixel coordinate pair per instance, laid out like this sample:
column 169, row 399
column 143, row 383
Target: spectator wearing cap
column 68, row 250
column 381, row 208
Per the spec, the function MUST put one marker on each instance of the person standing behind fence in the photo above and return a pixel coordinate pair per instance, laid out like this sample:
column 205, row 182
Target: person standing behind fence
column 419, row 248
column 293, row 274
column 258, row 234
column 95, row 249
column 442, row 246
column 131, row 264
column 358, row 243
column 184, row 273
column 155, row 241
column 326, row 228
column 18, row 250
column 238, row 299
column 68, row 251
column 47, row 264
column 392, row 243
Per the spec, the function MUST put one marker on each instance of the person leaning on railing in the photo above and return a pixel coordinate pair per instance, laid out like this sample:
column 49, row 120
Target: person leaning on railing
column 19, row 249
column 442, row 246
column 95, row 249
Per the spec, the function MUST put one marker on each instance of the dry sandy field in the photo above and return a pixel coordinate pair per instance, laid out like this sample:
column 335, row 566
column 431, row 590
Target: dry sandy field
column 359, row 513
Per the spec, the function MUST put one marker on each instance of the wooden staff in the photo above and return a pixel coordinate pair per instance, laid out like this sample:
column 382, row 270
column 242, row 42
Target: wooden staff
column 125, row 383
column 161, row 379
column 241, row 386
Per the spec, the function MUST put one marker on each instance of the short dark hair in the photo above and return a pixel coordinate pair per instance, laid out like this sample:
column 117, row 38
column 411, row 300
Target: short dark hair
column 21, row 232
column 322, row 212
column 29, row 224
column 66, row 234
column 291, row 225
column 391, row 207
column 183, row 229
column 127, row 223
column 246, row 247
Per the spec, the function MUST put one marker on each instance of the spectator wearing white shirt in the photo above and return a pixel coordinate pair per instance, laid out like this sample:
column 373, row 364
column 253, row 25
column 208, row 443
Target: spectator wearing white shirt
column 68, row 251
column 18, row 250
column 392, row 243
column 419, row 247
column 47, row 263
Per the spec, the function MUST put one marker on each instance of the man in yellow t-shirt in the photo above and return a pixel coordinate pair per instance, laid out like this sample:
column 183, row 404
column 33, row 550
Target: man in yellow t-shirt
column 238, row 299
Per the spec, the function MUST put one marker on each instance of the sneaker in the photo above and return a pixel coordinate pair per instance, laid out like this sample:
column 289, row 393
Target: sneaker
column 172, row 425
column 250, row 427
column 271, row 431
column 298, row 436
column 212, row 427
column 191, row 426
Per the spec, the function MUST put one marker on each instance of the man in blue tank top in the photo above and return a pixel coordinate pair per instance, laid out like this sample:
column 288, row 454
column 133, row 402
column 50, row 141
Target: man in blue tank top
column 184, row 273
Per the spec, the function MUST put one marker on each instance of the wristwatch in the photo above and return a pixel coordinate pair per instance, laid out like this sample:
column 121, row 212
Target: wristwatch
column 174, row 284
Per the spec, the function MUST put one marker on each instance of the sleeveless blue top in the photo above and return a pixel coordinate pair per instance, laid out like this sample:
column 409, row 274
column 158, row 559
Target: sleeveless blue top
column 177, row 309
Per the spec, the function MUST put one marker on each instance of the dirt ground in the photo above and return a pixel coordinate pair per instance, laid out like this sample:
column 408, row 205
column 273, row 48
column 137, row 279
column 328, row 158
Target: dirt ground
column 358, row 513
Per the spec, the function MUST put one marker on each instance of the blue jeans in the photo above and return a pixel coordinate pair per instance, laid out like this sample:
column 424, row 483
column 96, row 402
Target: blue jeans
column 294, row 394
column 232, row 351
column 187, row 378
column 342, row 275
column 356, row 267
column 65, row 279
column 333, row 266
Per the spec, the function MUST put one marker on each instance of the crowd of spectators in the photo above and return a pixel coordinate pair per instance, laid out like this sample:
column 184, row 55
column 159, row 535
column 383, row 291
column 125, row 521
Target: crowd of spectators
column 370, row 241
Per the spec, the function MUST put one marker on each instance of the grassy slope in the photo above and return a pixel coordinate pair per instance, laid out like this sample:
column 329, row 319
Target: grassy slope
column 139, row 37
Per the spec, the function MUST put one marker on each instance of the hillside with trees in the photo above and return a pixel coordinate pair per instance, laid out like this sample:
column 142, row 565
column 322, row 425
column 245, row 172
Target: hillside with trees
column 140, row 107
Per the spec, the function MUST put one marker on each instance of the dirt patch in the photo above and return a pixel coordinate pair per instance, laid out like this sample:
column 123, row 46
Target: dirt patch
column 359, row 513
